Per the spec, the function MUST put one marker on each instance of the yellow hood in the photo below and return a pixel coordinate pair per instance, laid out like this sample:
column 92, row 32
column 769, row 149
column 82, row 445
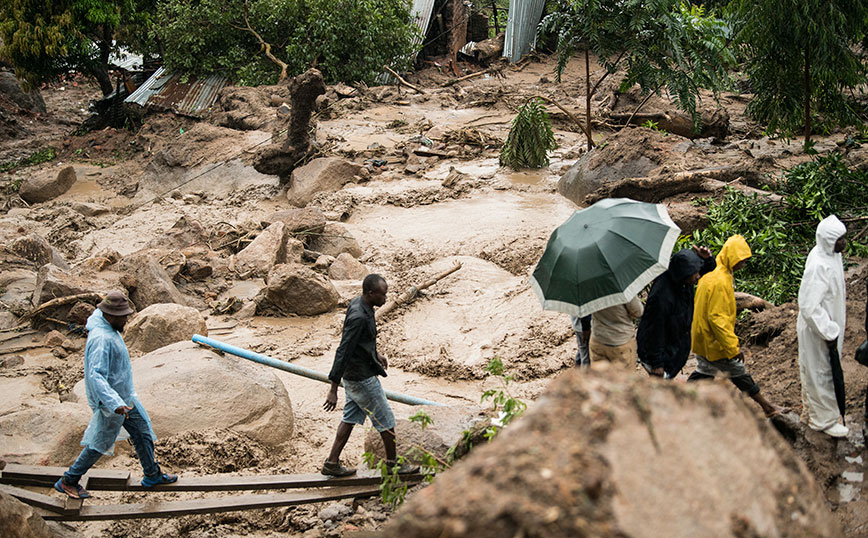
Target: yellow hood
column 733, row 251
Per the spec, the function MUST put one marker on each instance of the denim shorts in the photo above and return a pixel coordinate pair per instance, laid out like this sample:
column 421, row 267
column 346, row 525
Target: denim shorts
column 366, row 398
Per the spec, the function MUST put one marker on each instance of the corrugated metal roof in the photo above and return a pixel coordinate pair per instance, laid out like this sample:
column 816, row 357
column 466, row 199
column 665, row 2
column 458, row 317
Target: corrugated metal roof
column 421, row 14
column 521, row 23
column 165, row 91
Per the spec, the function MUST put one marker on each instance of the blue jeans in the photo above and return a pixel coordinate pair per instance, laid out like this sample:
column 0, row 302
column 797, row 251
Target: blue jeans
column 366, row 398
column 138, row 430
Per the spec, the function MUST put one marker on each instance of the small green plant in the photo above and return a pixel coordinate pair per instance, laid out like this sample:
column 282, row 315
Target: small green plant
column 422, row 418
column 393, row 490
column 510, row 408
column 651, row 124
column 530, row 138
column 37, row 157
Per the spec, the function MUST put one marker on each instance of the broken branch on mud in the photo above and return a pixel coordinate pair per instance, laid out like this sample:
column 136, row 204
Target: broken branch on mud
column 402, row 81
column 409, row 295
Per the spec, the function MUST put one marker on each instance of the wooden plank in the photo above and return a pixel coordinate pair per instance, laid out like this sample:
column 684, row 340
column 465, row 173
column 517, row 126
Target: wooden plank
column 210, row 506
column 34, row 499
column 256, row 482
column 37, row 475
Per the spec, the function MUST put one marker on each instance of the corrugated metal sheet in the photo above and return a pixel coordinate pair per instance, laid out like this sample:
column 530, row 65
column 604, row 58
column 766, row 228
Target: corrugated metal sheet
column 421, row 14
column 521, row 23
column 165, row 91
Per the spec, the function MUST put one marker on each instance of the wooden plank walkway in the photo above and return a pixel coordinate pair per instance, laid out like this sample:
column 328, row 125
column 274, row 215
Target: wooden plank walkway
column 210, row 506
column 114, row 480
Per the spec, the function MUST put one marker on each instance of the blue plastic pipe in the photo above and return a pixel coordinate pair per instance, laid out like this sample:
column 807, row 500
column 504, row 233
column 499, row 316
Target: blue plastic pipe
column 297, row 370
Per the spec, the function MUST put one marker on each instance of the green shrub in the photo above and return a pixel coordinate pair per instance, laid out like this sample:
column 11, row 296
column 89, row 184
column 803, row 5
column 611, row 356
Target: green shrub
column 530, row 138
column 781, row 235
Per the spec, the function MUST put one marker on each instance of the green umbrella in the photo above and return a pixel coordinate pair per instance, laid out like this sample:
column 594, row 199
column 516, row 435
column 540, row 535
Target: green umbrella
column 604, row 255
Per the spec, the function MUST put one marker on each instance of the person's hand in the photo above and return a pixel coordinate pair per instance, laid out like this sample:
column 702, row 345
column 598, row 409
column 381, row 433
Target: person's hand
column 383, row 361
column 123, row 410
column 331, row 402
column 832, row 344
column 702, row 252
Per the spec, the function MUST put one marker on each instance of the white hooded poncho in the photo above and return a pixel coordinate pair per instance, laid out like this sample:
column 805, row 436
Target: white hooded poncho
column 822, row 316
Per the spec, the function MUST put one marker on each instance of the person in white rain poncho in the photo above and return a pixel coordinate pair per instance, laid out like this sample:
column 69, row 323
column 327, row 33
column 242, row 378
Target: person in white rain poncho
column 820, row 327
column 108, row 382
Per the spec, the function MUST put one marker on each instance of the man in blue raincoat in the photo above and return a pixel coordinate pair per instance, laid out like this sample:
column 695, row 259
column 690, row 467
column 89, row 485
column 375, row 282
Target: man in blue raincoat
column 108, row 381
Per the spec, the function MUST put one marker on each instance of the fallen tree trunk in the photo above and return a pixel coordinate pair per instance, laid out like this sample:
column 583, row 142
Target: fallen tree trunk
column 746, row 301
column 413, row 291
column 656, row 188
column 61, row 301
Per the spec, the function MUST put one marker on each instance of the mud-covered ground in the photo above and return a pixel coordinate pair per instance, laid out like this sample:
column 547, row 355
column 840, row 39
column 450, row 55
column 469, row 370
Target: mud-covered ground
column 493, row 220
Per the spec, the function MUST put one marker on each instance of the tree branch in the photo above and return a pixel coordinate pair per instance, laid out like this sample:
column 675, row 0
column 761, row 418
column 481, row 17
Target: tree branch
column 265, row 47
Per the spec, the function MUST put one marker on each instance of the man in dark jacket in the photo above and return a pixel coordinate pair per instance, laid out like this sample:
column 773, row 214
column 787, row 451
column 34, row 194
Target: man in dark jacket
column 358, row 364
column 663, row 339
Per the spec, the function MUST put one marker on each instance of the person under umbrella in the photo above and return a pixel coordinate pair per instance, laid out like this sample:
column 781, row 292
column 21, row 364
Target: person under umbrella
column 820, row 329
column 613, row 335
column 663, row 338
column 712, row 333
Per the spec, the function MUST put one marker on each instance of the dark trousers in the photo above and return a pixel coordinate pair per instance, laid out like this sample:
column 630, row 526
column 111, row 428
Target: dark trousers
column 745, row 383
column 137, row 427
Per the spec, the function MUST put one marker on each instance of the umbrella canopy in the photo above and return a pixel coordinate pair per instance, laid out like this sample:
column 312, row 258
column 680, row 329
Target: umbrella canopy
column 604, row 255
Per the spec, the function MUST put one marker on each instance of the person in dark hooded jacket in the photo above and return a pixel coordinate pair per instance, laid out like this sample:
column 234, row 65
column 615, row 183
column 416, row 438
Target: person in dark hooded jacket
column 663, row 338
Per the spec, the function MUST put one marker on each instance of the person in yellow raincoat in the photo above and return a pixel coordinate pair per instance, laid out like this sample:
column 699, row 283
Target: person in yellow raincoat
column 712, row 333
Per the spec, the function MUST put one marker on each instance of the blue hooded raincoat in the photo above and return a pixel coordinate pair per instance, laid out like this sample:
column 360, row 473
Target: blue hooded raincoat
column 108, row 382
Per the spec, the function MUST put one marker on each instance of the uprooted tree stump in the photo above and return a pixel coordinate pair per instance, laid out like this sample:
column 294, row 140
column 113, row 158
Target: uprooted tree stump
column 280, row 159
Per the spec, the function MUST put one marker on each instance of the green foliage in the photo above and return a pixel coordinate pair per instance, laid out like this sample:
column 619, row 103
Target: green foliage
column 393, row 490
column 789, row 41
column 530, row 138
column 37, row 157
column 422, row 418
column 348, row 40
column 780, row 236
column 510, row 408
column 662, row 44
column 44, row 40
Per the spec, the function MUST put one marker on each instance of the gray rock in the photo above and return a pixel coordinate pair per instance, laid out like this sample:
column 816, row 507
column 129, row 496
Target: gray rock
column 19, row 520
column 446, row 430
column 32, row 247
column 334, row 512
column 35, row 190
column 345, row 267
column 307, row 220
column 325, row 174
column 53, row 282
column 11, row 89
column 11, row 361
column 162, row 324
column 46, row 433
column 19, row 285
column 89, row 209
column 296, row 289
column 271, row 247
column 80, row 312
column 7, row 320
column 185, row 387
column 334, row 241
column 148, row 282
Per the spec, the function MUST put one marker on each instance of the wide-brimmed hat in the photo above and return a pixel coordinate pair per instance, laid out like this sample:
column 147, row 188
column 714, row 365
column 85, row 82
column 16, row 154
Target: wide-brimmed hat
column 115, row 303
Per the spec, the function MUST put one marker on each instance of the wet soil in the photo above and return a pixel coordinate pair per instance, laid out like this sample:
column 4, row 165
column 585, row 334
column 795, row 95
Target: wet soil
column 409, row 225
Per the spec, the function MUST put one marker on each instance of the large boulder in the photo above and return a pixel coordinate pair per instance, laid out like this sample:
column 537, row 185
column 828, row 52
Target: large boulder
column 148, row 282
column 44, row 433
column 271, row 247
column 11, row 89
column 19, row 520
column 345, row 267
column 296, row 289
column 609, row 453
column 17, row 287
column 335, row 240
column 445, row 431
column 185, row 387
column 325, row 174
column 32, row 247
column 633, row 153
column 36, row 189
column 53, row 282
column 302, row 221
column 162, row 324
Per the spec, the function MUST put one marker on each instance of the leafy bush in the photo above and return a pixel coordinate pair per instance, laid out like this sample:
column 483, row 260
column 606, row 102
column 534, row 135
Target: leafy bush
column 530, row 138
column 37, row 157
column 348, row 40
column 781, row 235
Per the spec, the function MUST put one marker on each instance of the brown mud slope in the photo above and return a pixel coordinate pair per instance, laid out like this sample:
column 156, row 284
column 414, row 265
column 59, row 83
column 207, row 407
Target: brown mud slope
column 611, row 454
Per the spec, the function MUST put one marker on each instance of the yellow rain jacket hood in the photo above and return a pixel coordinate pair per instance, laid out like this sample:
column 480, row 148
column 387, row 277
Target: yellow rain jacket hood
column 713, row 330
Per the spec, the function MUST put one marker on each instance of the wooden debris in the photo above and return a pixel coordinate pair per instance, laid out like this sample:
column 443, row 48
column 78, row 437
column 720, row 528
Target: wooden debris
column 61, row 301
column 402, row 81
column 411, row 293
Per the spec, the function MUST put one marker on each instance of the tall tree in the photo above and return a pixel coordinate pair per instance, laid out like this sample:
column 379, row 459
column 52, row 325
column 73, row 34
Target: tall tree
column 662, row 44
column 803, row 61
column 43, row 39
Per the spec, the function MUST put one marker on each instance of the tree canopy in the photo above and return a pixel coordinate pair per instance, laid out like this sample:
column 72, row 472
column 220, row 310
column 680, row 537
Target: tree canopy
column 44, row 40
column 348, row 40
column 803, row 60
